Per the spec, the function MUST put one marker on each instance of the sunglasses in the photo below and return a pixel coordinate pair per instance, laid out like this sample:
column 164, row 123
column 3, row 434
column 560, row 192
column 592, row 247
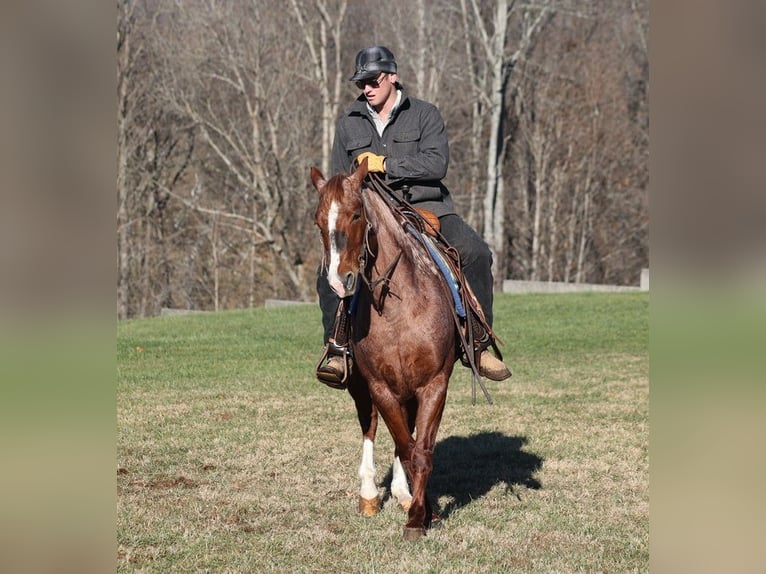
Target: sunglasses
column 372, row 82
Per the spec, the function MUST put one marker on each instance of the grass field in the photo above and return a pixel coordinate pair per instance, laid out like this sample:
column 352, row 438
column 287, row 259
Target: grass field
column 231, row 458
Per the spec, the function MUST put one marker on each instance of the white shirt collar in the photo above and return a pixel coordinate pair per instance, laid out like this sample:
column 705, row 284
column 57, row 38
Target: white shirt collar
column 380, row 124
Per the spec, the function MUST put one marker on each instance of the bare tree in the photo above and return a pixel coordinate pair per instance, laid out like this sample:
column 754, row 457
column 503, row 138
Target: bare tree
column 477, row 72
column 125, row 75
column 153, row 153
column 323, row 36
column 227, row 86
column 223, row 107
column 573, row 175
column 502, row 51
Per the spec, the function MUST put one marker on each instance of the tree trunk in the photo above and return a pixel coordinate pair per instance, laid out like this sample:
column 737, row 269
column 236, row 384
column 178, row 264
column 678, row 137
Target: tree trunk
column 585, row 230
column 123, row 237
column 493, row 208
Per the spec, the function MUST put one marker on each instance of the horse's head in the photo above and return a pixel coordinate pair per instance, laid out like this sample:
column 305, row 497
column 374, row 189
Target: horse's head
column 341, row 220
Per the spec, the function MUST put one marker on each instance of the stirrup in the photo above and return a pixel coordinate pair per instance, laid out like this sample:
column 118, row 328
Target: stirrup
column 328, row 376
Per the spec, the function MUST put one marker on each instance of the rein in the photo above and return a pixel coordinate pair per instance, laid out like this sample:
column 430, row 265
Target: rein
column 408, row 216
column 385, row 280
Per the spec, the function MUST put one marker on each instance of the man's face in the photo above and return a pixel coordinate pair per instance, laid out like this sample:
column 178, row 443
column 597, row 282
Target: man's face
column 378, row 90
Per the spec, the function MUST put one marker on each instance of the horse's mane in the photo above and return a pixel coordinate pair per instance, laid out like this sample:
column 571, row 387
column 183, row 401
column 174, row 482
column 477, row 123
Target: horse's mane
column 380, row 216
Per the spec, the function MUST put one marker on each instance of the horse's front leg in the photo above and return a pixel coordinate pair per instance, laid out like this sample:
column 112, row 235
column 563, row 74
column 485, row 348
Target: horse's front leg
column 369, row 502
column 431, row 401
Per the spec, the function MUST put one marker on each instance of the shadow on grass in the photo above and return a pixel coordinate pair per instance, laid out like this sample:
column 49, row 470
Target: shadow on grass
column 466, row 468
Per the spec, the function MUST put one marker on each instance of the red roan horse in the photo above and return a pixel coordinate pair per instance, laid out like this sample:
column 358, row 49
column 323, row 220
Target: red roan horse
column 403, row 337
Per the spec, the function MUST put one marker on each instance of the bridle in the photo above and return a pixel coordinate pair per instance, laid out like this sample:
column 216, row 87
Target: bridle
column 383, row 279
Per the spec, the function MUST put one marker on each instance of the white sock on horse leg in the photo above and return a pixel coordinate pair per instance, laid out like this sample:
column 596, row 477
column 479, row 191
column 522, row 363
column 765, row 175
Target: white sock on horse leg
column 367, row 471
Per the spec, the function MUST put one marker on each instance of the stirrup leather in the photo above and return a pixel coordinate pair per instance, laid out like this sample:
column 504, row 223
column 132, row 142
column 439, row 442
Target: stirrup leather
column 338, row 347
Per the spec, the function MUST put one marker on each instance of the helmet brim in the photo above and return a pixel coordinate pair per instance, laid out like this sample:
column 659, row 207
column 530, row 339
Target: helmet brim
column 365, row 75
column 373, row 70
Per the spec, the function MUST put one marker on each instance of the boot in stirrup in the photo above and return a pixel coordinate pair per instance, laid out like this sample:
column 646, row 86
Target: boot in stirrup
column 492, row 368
column 334, row 366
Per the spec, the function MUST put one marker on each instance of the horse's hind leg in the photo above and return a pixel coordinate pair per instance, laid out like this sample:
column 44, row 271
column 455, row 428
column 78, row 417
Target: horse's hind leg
column 399, row 487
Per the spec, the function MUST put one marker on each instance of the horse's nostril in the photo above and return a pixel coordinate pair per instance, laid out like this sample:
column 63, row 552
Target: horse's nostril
column 350, row 280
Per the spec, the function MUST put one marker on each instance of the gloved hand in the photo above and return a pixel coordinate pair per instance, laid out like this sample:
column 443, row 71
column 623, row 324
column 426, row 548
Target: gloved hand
column 374, row 162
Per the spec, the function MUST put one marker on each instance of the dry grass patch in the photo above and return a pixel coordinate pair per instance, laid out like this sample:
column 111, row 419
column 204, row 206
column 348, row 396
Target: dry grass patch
column 253, row 468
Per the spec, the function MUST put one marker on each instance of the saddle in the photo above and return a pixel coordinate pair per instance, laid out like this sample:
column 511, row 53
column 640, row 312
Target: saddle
column 476, row 334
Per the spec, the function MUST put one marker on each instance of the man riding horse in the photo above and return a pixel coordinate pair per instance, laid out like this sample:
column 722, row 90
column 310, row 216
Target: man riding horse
column 405, row 141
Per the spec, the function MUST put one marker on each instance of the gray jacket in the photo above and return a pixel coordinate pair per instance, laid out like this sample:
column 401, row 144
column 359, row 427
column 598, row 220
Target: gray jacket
column 414, row 143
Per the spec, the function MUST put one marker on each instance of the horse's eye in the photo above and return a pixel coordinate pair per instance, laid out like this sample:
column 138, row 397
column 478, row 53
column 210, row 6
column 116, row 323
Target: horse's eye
column 356, row 217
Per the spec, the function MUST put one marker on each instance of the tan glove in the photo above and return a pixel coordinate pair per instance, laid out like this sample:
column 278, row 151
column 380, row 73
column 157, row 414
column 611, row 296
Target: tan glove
column 374, row 162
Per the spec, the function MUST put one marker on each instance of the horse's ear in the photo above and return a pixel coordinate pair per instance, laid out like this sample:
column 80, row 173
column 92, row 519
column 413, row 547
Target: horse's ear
column 317, row 178
column 361, row 172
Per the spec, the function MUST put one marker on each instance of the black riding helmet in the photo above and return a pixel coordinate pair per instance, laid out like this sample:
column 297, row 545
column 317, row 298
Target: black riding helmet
column 372, row 61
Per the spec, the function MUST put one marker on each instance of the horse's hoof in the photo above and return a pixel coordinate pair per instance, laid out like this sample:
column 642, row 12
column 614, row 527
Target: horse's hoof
column 412, row 534
column 406, row 505
column 369, row 506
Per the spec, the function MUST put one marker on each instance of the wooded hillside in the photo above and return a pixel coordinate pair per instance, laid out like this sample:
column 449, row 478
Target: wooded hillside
column 223, row 106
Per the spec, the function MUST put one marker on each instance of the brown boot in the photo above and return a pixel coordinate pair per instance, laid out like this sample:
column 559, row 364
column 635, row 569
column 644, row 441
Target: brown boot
column 333, row 372
column 492, row 367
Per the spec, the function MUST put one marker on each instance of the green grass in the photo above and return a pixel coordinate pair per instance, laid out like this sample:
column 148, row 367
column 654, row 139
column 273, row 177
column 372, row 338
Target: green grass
column 232, row 458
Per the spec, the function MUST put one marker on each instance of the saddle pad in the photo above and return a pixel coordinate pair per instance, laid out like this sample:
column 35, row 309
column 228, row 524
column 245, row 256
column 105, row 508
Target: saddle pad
column 444, row 267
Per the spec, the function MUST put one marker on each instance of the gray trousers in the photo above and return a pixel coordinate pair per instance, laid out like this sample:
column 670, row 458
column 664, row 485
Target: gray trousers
column 475, row 258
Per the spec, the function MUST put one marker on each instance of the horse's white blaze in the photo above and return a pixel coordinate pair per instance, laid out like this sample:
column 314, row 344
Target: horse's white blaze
column 399, row 487
column 367, row 471
column 332, row 270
